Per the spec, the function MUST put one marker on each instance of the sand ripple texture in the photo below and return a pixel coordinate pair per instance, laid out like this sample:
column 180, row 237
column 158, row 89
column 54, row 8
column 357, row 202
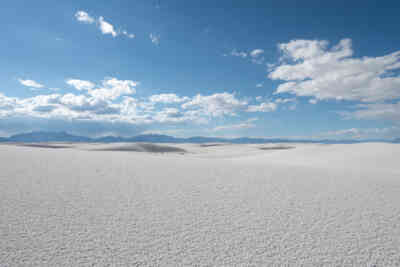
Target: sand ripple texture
column 313, row 205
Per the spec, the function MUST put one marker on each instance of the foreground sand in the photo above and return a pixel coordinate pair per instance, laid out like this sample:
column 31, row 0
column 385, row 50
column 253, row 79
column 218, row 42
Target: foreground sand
column 229, row 205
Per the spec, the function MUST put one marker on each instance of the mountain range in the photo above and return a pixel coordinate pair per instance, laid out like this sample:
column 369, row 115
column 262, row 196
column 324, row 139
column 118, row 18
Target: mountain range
column 36, row 137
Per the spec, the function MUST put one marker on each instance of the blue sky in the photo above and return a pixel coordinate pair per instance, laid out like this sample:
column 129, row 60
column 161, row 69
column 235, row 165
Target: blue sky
column 212, row 68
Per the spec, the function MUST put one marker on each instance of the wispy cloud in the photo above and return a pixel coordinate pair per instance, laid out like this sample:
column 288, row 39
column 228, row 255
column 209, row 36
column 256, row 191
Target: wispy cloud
column 255, row 56
column 375, row 111
column 30, row 83
column 129, row 35
column 104, row 26
column 263, row 107
column 155, row 39
column 237, row 53
column 167, row 98
column 361, row 133
column 243, row 125
column 256, row 53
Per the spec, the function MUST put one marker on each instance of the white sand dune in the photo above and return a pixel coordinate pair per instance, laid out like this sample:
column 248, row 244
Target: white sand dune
column 227, row 205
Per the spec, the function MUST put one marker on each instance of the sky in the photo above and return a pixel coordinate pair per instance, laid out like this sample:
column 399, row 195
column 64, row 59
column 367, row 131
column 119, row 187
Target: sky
column 308, row 69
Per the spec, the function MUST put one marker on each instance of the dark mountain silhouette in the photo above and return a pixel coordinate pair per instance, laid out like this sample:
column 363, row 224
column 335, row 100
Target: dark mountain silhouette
column 37, row 137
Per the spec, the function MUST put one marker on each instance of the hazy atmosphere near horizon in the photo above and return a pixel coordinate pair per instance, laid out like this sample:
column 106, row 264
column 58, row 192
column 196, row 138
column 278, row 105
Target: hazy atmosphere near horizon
column 199, row 133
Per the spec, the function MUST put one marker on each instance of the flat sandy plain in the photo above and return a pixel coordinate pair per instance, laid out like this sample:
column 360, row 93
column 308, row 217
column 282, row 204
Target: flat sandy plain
column 196, row 205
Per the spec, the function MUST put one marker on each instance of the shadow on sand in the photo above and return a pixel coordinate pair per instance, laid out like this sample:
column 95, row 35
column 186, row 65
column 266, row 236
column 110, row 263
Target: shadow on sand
column 153, row 148
column 44, row 145
column 276, row 147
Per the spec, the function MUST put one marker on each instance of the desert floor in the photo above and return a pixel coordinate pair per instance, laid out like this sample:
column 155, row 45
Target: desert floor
column 199, row 205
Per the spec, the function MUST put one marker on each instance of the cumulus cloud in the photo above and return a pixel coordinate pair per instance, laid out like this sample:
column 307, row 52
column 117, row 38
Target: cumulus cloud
column 155, row 39
column 81, row 103
column 84, row 17
column 30, row 83
column 111, row 100
column 312, row 68
column 170, row 115
column 263, row 107
column 167, row 98
column 216, row 105
column 100, row 103
column 113, row 88
column 7, row 105
column 106, row 27
column 80, row 84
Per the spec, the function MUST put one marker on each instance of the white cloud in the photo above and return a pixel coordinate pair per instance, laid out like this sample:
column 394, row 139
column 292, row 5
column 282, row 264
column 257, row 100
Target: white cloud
column 285, row 100
column 310, row 68
column 7, row 105
column 129, row 35
column 30, row 83
column 376, row 111
column 114, row 88
column 352, row 132
column 244, row 125
column 167, row 98
column 258, row 85
column 106, row 28
column 313, row 101
column 256, row 53
column 263, row 107
column 304, row 49
column 170, row 115
column 155, row 39
column 81, row 103
column 111, row 101
column 238, row 53
column 111, row 88
column 84, row 17
column 80, row 84
column 216, row 105
column 361, row 133
column 98, row 104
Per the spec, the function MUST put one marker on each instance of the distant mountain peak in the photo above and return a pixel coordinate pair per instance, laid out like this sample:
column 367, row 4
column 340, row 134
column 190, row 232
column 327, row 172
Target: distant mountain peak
column 62, row 136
